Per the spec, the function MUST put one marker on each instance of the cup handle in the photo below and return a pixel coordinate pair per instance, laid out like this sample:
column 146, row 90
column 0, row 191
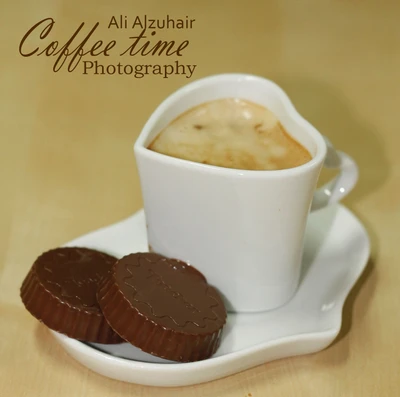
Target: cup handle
column 341, row 185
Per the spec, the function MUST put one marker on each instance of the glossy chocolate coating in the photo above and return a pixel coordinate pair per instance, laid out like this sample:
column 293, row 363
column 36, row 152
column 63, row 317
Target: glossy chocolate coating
column 60, row 290
column 163, row 306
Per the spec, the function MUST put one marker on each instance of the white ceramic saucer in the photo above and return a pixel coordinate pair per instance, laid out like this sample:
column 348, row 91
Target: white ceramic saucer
column 336, row 252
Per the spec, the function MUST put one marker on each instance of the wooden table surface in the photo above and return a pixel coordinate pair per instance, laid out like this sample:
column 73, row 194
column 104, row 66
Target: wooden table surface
column 67, row 166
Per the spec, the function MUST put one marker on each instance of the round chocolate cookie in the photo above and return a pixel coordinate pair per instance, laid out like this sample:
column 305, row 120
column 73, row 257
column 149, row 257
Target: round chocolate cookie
column 163, row 306
column 60, row 291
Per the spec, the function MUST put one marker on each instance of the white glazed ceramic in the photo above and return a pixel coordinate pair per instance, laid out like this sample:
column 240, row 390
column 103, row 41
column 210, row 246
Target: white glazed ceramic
column 242, row 229
column 335, row 254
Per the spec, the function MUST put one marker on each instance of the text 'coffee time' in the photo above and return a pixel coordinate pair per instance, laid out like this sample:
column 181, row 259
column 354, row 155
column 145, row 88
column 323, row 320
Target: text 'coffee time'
column 84, row 44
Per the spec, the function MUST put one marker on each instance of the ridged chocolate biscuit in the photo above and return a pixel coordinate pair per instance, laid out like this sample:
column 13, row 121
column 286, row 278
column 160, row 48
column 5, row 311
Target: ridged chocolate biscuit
column 60, row 291
column 163, row 306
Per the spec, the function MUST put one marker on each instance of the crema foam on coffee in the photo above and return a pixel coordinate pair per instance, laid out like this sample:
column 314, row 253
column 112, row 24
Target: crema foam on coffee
column 231, row 133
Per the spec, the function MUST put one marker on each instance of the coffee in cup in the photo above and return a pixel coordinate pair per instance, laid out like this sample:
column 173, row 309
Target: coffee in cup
column 231, row 133
column 243, row 229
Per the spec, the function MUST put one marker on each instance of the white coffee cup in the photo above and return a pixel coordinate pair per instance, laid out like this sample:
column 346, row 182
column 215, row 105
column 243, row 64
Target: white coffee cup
column 242, row 229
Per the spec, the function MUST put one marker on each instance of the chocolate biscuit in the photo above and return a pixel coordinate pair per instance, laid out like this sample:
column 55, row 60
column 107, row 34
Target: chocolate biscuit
column 60, row 291
column 163, row 306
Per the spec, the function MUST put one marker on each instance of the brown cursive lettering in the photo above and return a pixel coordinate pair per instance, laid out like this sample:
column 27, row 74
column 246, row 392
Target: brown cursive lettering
column 65, row 52
column 42, row 35
column 167, row 47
